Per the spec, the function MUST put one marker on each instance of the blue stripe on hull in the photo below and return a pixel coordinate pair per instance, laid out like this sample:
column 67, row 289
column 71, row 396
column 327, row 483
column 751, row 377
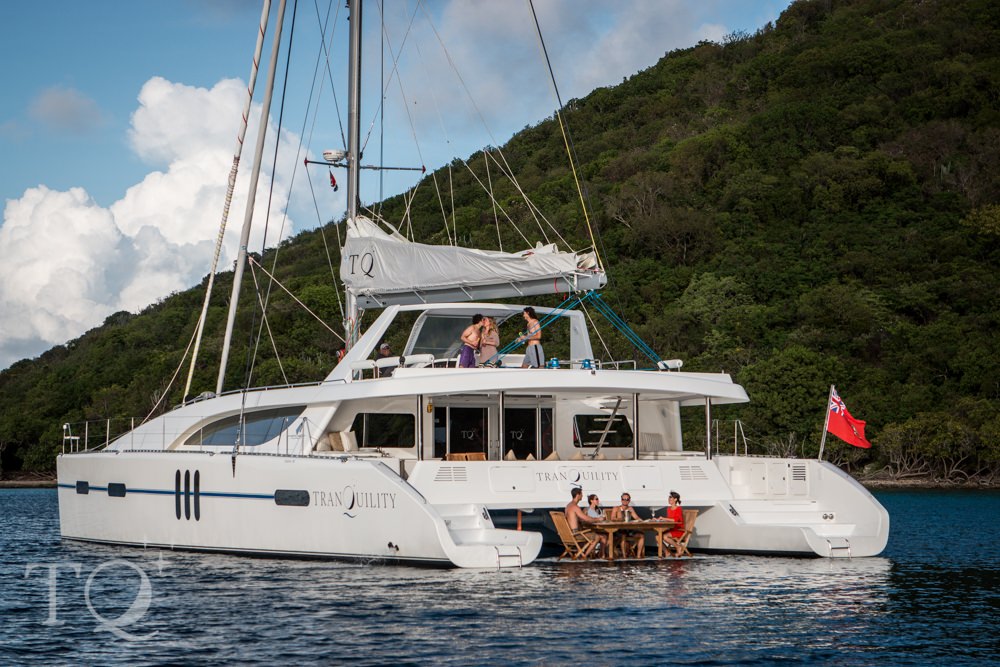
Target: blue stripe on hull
column 160, row 492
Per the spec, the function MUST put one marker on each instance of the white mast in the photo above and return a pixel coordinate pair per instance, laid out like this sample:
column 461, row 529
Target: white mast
column 251, row 196
column 353, row 150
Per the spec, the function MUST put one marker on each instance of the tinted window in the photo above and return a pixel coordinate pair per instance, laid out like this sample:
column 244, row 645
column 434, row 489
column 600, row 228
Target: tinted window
column 258, row 428
column 440, row 335
column 380, row 429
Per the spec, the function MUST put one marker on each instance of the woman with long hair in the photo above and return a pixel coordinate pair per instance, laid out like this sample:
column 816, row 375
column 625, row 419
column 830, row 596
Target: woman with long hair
column 489, row 340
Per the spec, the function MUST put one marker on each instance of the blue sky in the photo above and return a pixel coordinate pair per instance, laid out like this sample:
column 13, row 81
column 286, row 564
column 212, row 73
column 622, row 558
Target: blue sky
column 118, row 123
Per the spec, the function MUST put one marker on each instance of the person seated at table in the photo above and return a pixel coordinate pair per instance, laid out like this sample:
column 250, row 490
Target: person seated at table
column 676, row 514
column 594, row 510
column 576, row 517
column 636, row 537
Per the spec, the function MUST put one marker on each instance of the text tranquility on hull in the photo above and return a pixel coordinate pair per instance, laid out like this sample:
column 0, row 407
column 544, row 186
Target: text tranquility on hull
column 412, row 458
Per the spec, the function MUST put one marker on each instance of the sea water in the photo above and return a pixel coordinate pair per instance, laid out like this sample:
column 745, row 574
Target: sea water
column 933, row 597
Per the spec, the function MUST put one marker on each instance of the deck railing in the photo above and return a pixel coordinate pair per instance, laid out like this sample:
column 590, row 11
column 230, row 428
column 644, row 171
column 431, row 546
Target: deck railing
column 94, row 434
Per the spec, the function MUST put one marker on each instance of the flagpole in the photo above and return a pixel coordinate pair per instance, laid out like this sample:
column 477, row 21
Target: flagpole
column 826, row 423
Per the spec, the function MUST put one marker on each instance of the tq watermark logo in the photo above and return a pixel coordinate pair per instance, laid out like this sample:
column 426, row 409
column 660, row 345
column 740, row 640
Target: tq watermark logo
column 111, row 583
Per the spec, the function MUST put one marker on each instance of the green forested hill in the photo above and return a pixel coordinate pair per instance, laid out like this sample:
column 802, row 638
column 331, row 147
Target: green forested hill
column 815, row 203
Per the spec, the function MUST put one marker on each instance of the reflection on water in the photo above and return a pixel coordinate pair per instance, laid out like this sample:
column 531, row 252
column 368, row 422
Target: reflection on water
column 906, row 607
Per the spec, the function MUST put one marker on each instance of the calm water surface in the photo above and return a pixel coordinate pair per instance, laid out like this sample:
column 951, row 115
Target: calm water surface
column 932, row 598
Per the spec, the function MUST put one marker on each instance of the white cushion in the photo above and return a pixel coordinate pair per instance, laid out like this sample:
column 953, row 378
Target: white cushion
column 510, row 455
column 529, row 457
column 600, row 457
column 349, row 442
column 577, row 456
column 419, row 360
column 324, row 444
column 554, row 456
column 336, row 444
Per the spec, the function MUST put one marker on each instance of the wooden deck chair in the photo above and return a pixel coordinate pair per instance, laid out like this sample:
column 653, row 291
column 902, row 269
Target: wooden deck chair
column 574, row 545
column 690, row 516
column 680, row 544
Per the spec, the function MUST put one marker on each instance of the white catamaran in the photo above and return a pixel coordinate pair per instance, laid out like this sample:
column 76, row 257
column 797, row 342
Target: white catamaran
column 413, row 459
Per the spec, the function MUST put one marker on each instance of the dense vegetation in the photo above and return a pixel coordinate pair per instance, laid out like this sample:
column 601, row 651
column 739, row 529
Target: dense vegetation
column 815, row 203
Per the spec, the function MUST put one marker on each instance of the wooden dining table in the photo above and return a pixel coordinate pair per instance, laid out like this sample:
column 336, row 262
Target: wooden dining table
column 645, row 525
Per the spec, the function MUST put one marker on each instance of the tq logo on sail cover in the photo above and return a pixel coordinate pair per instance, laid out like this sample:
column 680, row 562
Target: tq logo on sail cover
column 365, row 262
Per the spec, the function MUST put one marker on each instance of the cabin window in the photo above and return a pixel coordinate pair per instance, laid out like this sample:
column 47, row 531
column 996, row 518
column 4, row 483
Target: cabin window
column 258, row 427
column 587, row 430
column 385, row 429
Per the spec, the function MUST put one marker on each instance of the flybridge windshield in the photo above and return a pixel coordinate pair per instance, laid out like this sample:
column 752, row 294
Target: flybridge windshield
column 440, row 335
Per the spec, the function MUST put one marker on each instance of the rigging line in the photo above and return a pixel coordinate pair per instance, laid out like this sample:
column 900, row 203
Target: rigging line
column 177, row 371
column 628, row 331
column 326, row 246
column 325, row 51
column 547, row 319
column 408, row 197
column 234, row 170
column 265, row 323
column 444, row 215
column 296, row 299
column 495, row 202
column 505, row 170
column 451, row 196
column 394, row 74
column 618, row 322
column 482, row 119
column 496, row 218
column 567, row 140
column 593, row 326
column 551, row 226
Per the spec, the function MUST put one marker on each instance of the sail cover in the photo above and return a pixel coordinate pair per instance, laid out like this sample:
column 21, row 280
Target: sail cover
column 382, row 268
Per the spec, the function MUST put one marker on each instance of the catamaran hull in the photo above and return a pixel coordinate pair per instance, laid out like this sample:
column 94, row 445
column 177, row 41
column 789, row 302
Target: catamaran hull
column 271, row 505
column 441, row 514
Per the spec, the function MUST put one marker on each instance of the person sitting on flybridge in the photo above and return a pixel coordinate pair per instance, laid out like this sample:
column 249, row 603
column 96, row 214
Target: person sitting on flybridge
column 534, row 356
column 470, row 342
column 385, row 352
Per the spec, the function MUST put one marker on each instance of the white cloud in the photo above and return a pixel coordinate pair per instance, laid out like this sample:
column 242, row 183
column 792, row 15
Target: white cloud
column 495, row 49
column 65, row 110
column 66, row 263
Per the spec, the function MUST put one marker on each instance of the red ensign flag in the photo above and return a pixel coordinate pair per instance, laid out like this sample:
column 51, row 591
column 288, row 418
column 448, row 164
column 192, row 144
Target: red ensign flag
column 843, row 425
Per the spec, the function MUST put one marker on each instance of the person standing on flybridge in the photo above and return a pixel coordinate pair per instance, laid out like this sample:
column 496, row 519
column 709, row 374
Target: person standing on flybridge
column 534, row 357
column 470, row 342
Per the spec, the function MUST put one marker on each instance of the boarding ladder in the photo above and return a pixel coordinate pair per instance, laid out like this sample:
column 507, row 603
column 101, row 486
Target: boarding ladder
column 838, row 544
column 515, row 554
